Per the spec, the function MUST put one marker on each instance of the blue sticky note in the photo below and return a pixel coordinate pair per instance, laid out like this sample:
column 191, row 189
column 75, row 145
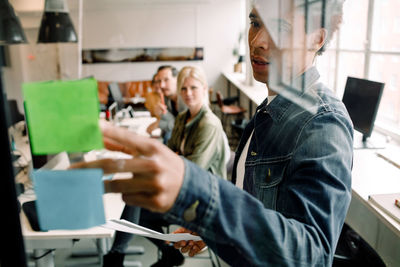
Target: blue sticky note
column 69, row 199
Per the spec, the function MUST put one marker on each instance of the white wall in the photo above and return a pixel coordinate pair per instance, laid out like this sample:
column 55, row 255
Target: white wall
column 212, row 24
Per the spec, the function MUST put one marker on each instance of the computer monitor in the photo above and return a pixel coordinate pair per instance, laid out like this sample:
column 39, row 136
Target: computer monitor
column 116, row 94
column 113, row 109
column 14, row 115
column 361, row 98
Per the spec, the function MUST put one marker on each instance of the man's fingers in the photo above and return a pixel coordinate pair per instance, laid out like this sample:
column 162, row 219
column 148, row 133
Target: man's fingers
column 133, row 185
column 195, row 250
column 136, row 165
column 115, row 146
column 185, row 249
column 150, row 201
column 108, row 165
column 133, row 142
column 180, row 244
column 181, row 230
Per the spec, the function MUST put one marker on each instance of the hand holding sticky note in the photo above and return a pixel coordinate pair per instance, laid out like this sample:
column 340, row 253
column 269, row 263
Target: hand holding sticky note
column 62, row 116
column 70, row 199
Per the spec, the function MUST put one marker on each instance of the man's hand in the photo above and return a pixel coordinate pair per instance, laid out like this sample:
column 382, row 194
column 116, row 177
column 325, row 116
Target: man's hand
column 152, row 127
column 157, row 171
column 192, row 247
column 160, row 109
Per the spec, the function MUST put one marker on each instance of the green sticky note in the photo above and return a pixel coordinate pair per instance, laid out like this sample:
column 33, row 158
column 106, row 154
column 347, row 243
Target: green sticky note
column 62, row 116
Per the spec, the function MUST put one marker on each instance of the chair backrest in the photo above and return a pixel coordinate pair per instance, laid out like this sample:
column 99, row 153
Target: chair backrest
column 103, row 91
column 210, row 93
column 15, row 115
column 220, row 100
column 115, row 92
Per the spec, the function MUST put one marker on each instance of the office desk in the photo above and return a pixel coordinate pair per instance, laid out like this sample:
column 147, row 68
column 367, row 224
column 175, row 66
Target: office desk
column 374, row 175
column 138, row 124
column 45, row 242
column 255, row 93
column 371, row 175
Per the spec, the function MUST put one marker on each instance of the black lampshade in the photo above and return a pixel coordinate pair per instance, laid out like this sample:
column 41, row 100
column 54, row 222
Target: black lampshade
column 10, row 27
column 56, row 25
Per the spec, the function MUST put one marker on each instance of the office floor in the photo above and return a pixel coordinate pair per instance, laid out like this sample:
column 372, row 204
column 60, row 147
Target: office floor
column 66, row 258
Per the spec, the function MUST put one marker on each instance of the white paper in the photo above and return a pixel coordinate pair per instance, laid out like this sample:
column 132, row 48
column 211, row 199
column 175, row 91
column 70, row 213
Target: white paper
column 59, row 162
column 132, row 228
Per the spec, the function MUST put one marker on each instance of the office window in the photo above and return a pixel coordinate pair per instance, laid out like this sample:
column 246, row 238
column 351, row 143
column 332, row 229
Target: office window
column 327, row 67
column 383, row 68
column 354, row 27
column 350, row 64
column 378, row 60
column 367, row 46
column 397, row 25
column 385, row 37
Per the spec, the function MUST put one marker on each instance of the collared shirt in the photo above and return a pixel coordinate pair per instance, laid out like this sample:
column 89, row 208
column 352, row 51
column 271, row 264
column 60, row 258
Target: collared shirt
column 167, row 120
column 242, row 158
column 297, row 186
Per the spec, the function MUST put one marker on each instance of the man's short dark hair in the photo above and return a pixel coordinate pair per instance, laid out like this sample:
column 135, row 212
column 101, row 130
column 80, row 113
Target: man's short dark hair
column 153, row 80
column 172, row 68
column 331, row 17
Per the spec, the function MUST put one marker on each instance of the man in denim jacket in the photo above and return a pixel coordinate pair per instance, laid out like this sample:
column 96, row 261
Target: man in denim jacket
column 293, row 162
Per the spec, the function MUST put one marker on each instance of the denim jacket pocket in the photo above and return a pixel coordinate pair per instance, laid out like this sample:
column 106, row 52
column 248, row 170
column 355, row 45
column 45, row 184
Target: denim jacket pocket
column 267, row 177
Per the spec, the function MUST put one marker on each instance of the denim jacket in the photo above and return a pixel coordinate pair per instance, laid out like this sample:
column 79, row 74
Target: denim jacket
column 297, row 188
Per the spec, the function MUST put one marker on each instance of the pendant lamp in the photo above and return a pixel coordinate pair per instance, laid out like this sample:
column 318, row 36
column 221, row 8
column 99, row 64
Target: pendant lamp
column 56, row 25
column 10, row 27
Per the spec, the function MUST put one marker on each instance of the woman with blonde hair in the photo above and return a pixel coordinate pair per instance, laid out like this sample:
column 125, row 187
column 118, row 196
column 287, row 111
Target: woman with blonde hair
column 198, row 134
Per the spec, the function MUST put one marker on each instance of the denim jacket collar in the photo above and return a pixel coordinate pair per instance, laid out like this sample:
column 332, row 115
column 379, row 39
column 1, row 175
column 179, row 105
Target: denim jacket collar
column 277, row 108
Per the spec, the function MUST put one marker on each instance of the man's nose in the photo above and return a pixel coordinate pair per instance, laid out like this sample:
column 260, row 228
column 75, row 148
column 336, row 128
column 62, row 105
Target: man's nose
column 162, row 84
column 261, row 40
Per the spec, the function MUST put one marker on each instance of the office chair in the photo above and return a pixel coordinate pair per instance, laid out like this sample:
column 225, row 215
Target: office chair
column 353, row 251
column 226, row 101
column 227, row 111
column 15, row 115
column 238, row 127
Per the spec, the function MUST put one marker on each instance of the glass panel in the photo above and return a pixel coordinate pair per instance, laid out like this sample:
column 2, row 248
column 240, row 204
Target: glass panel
column 353, row 32
column 384, row 68
column 291, row 30
column 386, row 26
column 326, row 65
column 350, row 64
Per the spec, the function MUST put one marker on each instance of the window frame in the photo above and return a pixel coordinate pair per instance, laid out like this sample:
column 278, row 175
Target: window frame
column 380, row 127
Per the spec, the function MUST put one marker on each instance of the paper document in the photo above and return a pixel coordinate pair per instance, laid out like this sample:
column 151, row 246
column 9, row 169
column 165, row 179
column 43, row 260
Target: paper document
column 132, row 228
column 59, row 162
column 62, row 116
column 70, row 199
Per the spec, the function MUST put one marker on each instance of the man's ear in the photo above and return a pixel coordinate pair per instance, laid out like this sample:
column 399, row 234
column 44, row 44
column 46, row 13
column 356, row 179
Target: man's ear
column 320, row 38
column 317, row 39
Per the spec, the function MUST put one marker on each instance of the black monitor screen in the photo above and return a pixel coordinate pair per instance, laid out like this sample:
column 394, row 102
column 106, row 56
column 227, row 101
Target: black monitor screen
column 361, row 98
